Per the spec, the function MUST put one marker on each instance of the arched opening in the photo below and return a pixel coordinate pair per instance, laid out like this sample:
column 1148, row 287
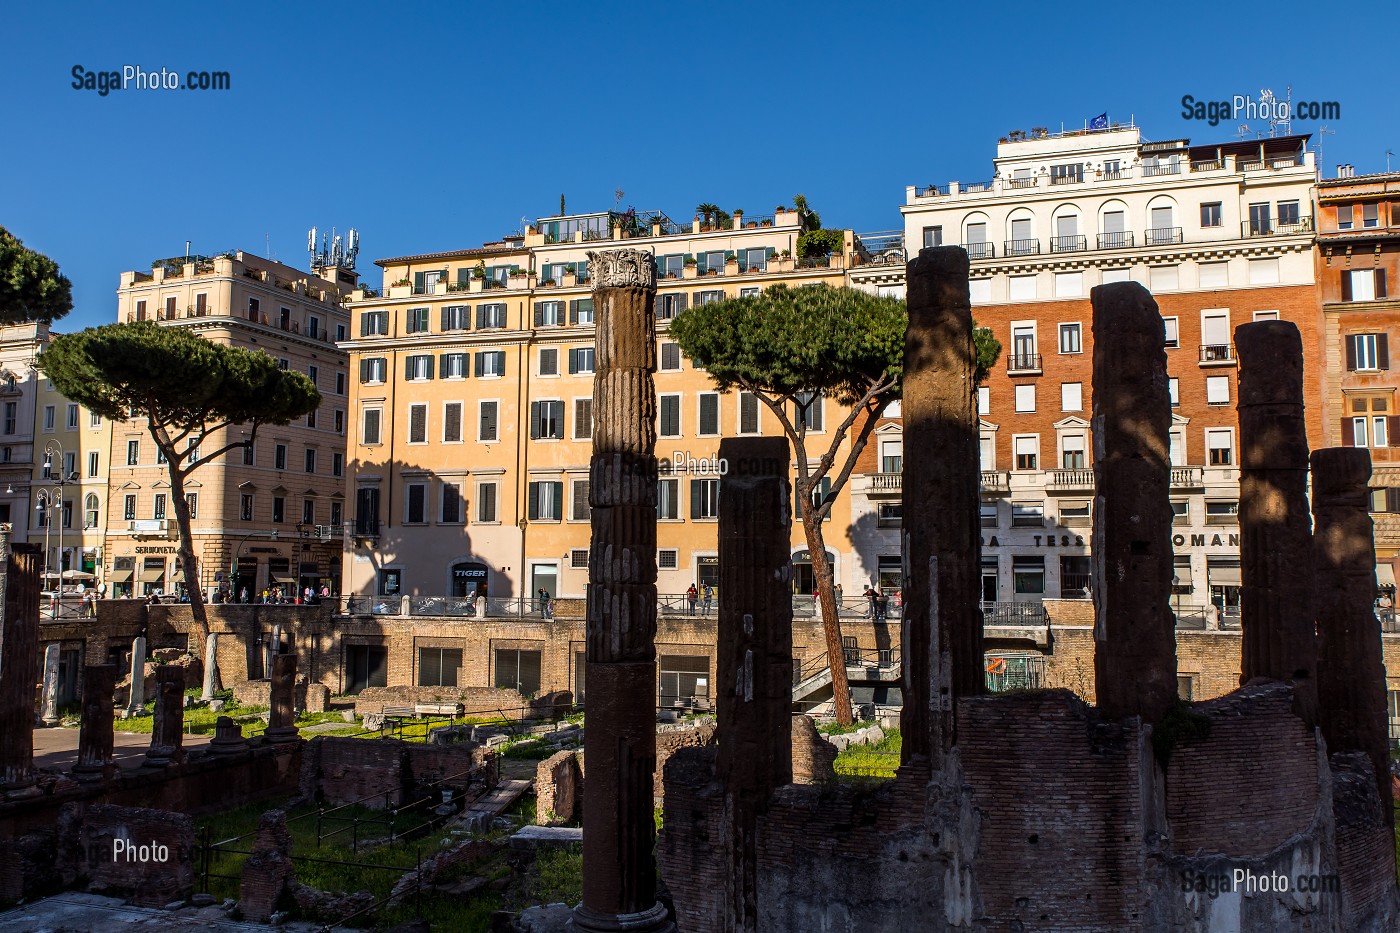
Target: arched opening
column 469, row 578
column 804, row 580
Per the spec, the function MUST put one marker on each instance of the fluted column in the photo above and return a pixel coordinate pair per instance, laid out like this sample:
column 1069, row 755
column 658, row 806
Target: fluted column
column 1134, row 629
column 281, row 720
column 1350, row 669
column 1276, row 550
column 619, row 832
column 95, row 729
column 942, row 624
column 167, row 731
column 19, row 659
column 754, row 655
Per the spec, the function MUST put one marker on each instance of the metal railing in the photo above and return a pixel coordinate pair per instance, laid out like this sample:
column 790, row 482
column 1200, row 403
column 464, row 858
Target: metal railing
column 974, row 187
column 1163, row 168
column 814, row 262
column 1022, row 247
column 1115, row 175
column 877, row 660
column 930, row 192
column 1162, row 236
column 1023, row 363
column 1014, row 672
column 984, row 250
column 1253, row 228
column 1213, row 165
column 1073, row 243
column 1118, row 240
column 1074, row 585
column 1217, row 353
column 1014, row 614
column 1028, row 182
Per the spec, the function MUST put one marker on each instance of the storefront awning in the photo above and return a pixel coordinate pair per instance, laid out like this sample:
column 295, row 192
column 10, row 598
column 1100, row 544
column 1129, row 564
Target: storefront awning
column 178, row 577
column 1224, row 576
column 1385, row 574
column 152, row 576
column 284, row 579
column 120, row 576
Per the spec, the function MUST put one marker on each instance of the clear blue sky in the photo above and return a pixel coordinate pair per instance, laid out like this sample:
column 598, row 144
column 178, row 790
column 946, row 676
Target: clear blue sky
column 438, row 126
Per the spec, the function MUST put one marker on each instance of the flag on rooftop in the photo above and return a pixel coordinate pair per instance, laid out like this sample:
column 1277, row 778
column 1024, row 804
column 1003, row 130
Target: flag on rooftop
column 1100, row 122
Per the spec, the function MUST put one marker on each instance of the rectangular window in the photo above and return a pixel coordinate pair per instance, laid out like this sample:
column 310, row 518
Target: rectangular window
column 416, row 321
column 669, row 266
column 669, row 416
column 1071, row 338
column 547, row 420
column 808, row 412
column 1370, row 215
column 889, row 515
column 1163, row 278
column 279, row 457
column 546, row 501
column 748, row 413
column 158, row 511
column 1217, row 390
column 415, row 503
column 1072, row 452
column 133, row 452
column 1025, row 398
column 709, row 414
column 578, row 501
column 704, row 498
column 1215, row 335
column 1220, row 446
column 309, row 462
column 1028, row 575
column 450, row 510
column 581, row 360
column 94, row 420
column 48, row 417
column 337, row 464
column 583, row 419
column 1174, row 390
column 667, row 559
column 335, row 513
column 418, row 367
column 1363, row 285
column 370, row 434
column 1210, row 214
column 308, row 511
column 1069, row 284
column 1021, row 288
column 129, row 507
column 1071, row 396
column 984, row 400
column 1263, row 272
column 438, row 667
column 372, row 323
column 668, row 499
column 490, row 315
column 454, row 365
column 487, row 422
column 248, row 454
column 72, row 416
column 709, row 297
column 549, row 313
column 979, row 291
column 987, row 512
column 374, row 369
column 670, row 357
column 549, row 361
column 1027, row 450
column 491, row 363
column 486, row 502
column 1173, row 333
column 279, row 509
column 933, row 236
column 1213, row 274
column 668, row 306
column 418, row 424
column 456, row 317
column 1367, row 352
column 452, row 423
column 1027, row 514
column 518, row 671
column 1346, row 214
column 93, row 463
column 892, row 456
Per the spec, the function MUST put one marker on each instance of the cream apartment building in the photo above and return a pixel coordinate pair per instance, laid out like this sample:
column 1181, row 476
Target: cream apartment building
column 472, row 377
column 265, row 516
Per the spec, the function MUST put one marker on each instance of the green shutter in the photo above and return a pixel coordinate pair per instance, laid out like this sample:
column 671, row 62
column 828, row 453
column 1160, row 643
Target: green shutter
column 534, row 506
column 429, row 358
column 418, row 280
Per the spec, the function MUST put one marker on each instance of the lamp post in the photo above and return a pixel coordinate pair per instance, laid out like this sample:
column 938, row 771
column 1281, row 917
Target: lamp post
column 233, row 568
column 301, row 546
column 45, row 503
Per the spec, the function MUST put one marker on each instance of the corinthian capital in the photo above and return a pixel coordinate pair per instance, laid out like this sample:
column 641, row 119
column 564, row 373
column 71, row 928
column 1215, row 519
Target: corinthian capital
column 613, row 267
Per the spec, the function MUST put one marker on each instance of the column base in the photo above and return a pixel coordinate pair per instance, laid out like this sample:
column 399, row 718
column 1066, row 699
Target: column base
column 652, row 920
column 282, row 735
column 91, row 773
column 20, row 790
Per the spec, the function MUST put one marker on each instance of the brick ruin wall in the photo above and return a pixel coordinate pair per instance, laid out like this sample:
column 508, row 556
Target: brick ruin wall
column 340, row 770
column 93, row 845
column 558, row 789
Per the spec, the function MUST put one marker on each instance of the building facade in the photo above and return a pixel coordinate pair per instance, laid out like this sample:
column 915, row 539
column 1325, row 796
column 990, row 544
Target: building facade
column 1358, row 267
column 471, row 396
column 254, row 512
column 1221, row 234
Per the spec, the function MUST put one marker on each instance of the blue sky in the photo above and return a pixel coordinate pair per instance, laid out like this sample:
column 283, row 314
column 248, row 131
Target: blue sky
column 439, row 126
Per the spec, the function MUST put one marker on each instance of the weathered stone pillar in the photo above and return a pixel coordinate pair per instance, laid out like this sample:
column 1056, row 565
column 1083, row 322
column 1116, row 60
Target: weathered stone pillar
column 211, row 667
column 1134, row 629
column 50, row 712
column 754, row 661
column 167, row 732
column 228, row 737
column 137, row 695
column 95, row 729
column 619, row 835
column 281, row 722
column 1350, row 669
column 1276, row 550
column 942, row 627
column 19, row 658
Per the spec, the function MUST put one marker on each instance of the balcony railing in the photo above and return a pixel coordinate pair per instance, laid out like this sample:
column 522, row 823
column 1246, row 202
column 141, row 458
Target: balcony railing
column 996, row 481
column 1188, row 477
column 1013, row 614
column 976, row 186
column 886, row 482
column 1021, row 182
column 930, row 192
column 1076, row 480
column 1115, row 175
column 1074, row 586
column 985, row 250
column 1165, row 168
column 1284, row 162
column 1214, row 165
column 1069, row 244
column 1022, row 247
column 1023, row 363
column 1218, row 354
column 1252, row 228
column 1067, row 179
column 1162, row 236
column 1118, row 240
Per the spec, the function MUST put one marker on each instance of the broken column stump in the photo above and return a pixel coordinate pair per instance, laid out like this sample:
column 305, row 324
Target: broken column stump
column 228, row 737
column 136, row 696
column 942, row 627
column 281, row 720
column 1276, row 550
column 1351, row 681
column 619, row 831
column 167, row 731
column 95, row 739
column 49, row 714
column 19, row 660
column 754, row 654
column 1134, row 629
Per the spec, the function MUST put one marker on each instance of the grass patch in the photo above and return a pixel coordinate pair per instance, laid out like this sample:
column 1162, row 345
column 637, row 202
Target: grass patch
column 200, row 720
column 559, row 875
column 530, row 750
column 835, row 728
column 871, row 761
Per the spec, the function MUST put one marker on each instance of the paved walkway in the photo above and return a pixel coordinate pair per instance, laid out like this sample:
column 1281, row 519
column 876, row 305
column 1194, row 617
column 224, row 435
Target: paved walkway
column 57, row 748
column 85, row 913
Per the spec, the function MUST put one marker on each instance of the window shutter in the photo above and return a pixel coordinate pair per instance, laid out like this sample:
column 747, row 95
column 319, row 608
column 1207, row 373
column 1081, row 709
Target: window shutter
column 408, row 367
column 681, row 300
column 558, row 503
column 429, row 361
column 573, row 313
column 364, row 370
column 580, row 500
column 772, row 251
column 534, row 512
column 1346, row 286
column 1392, row 426
column 534, row 420
column 573, row 360
column 476, row 365
column 418, row 280
column 1348, row 434
column 446, row 319
column 539, row 314
column 1380, row 283
column 556, row 410
column 1382, row 351
column 1351, row 354
column 480, row 316
column 452, row 418
column 1392, row 499
column 442, row 364
column 695, row 498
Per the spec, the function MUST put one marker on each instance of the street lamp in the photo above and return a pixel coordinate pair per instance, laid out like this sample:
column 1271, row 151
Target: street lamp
column 45, row 503
column 233, row 568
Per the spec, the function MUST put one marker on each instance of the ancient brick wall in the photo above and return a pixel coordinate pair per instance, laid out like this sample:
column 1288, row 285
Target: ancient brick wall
column 341, row 770
column 671, row 739
column 688, row 848
column 473, row 699
column 558, row 789
column 138, row 853
column 1365, row 844
column 269, row 870
column 812, row 756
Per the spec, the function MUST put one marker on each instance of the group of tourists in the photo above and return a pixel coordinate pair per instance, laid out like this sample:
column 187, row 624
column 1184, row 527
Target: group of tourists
column 704, row 597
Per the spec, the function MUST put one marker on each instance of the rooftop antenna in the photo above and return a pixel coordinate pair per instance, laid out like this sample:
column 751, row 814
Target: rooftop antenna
column 1322, row 133
column 1388, row 154
column 1242, row 131
column 267, row 244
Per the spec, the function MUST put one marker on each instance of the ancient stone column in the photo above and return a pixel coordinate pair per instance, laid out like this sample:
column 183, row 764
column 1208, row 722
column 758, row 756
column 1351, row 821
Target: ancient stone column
column 942, row 627
column 95, row 728
column 50, row 713
column 1134, row 629
column 754, row 655
column 281, row 722
column 211, row 667
column 137, row 698
column 19, row 658
column 167, row 732
column 619, row 835
column 228, row 737
column 1351, row 682
column 1276, row 549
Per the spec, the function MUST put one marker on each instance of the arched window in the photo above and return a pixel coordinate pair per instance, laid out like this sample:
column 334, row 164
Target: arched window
column 90, row 509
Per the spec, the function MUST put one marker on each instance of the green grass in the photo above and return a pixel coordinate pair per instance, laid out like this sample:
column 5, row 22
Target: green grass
column 559, row 877
column 835, row 728
column 871, row 761
column 199, row 720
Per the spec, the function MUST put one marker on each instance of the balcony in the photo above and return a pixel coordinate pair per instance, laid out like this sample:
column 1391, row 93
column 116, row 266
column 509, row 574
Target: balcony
column 1074, row 585
column 1028, row 182
column 1119, row 240
column 1069, row 244
column 1162, row 236
column 1023, row 364
column 1069, row 179
column 980, row 250
column 996, row 482
column 1022, row 247
column 930, row 192
column 1071, row 481
column 1188, row 477
column 973, row 187
column 1253, row 228
column 1218, row 354
column 887, row 484
column 1214, row 165
column 1165, row 168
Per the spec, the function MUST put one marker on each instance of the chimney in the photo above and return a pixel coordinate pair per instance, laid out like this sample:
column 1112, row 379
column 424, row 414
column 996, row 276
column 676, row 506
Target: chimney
column 1346, row 171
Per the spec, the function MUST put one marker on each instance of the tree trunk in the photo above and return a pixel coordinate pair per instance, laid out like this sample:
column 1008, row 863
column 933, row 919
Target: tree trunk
column 188, row 562
column 831, row 620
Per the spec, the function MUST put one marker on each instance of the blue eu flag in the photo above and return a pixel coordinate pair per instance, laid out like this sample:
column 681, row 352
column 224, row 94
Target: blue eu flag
column 1099, row 123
